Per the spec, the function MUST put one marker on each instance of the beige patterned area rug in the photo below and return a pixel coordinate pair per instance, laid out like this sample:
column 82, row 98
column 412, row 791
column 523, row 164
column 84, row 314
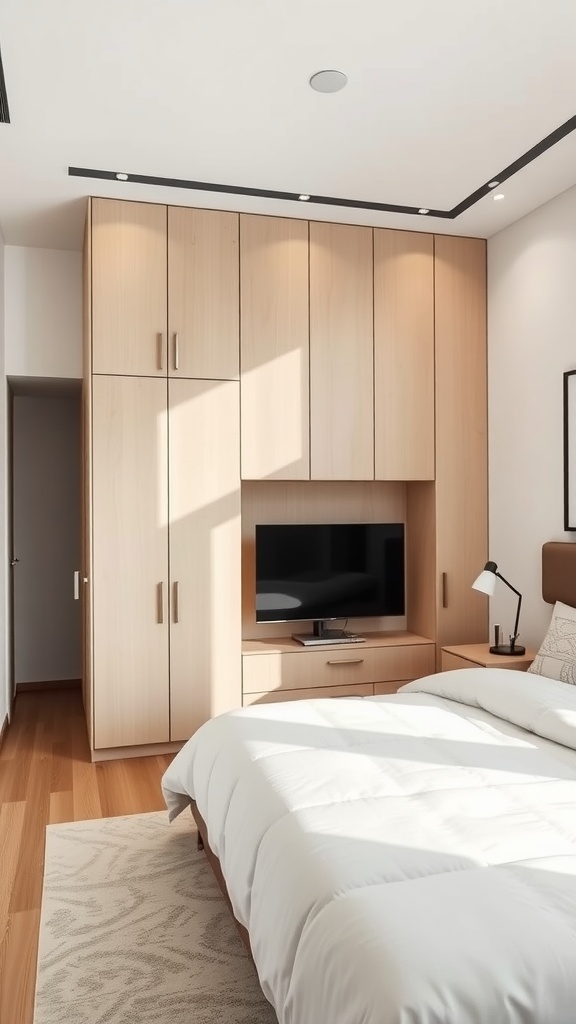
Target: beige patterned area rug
column 134, row 930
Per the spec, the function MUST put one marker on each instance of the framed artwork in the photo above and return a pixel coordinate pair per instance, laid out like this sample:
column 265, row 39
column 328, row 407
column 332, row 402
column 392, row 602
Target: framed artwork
column 570, row 450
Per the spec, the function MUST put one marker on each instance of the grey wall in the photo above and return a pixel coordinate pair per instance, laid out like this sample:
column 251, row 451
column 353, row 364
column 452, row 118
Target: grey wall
column 5, row 683
column 47, row 537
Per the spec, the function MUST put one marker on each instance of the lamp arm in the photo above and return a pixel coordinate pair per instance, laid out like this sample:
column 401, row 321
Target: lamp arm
column 519, row 595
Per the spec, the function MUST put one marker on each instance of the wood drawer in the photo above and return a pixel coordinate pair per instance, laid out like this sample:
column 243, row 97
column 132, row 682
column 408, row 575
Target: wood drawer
column 263, row 673
column 450, row 661
column 354, row 690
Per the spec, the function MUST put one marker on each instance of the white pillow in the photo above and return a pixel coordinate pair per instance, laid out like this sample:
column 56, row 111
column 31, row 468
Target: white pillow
column 556, row 658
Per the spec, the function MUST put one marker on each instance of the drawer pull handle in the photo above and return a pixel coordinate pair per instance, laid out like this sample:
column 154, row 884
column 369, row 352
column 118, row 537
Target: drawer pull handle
column 346, row 661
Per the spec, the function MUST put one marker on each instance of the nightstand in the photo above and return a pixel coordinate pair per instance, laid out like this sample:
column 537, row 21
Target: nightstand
column 473, row 655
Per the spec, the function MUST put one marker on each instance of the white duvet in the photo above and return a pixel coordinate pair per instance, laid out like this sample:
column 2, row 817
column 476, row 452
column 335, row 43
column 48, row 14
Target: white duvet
column 408, row 859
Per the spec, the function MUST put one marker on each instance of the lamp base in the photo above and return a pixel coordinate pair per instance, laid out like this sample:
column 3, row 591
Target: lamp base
column 508, row 649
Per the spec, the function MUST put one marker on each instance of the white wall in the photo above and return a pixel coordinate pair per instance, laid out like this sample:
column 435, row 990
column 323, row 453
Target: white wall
column 47, row 532
column 43, row 312
column 5, row 682
column 531, row 342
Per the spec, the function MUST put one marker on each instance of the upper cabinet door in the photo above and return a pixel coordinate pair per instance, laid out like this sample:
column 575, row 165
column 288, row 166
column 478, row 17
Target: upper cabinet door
column 275, row 349
column 341, row 352
column 129, row 294
column 403, row 355
column 461, row 437
column 203, row 298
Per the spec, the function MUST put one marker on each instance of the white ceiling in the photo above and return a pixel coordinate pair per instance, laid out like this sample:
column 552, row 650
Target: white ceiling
column 441, row 95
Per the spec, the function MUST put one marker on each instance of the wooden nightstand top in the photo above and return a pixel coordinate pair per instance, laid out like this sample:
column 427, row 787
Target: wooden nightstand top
column 479, row 654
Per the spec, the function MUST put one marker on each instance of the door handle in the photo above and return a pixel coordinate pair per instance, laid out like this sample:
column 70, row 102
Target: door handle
column 444, row 589
column 160, row 603
column 175, row 597
column 76, row 584
column 176, row 351
column 14, row 561
column 160, row 342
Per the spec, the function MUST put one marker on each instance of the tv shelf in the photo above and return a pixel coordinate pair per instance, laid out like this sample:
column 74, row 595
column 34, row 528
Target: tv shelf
column 271, row 671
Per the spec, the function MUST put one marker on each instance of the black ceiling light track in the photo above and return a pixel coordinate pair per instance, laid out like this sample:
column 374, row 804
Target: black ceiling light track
column 4, row 111
column 357, row 204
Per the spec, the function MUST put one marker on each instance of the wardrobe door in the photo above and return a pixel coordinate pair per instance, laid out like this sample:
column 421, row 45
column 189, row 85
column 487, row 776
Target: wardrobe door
column 204, row 473
column 341, row 353
column 461, row 438
column 129, row 293
column 274, row 348
column 130, row 561
column 203, row 301
column 403, row 355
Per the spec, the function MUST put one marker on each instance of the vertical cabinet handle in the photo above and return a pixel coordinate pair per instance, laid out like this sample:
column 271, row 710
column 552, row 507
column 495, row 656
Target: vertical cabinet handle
column 444, row 589
column 159, row 603
column 175, row 601
column 160, row 341
column 176, row 351
column 76, row 584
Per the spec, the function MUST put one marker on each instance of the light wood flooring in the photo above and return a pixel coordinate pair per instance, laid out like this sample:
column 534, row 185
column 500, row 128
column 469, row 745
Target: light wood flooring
column 46, row 777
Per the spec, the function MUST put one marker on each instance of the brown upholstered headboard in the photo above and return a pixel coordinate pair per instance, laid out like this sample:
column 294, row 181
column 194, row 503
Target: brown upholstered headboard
column 559, row 572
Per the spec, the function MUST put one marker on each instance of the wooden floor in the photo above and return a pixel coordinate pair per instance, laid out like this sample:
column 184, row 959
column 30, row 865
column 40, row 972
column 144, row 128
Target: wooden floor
column 46, row 777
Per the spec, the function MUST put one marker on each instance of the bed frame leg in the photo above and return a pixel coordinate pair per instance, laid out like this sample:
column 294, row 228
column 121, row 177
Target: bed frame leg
column 200, row 842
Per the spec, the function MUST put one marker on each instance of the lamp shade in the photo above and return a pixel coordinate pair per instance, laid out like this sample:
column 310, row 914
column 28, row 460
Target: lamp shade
column 486, row 581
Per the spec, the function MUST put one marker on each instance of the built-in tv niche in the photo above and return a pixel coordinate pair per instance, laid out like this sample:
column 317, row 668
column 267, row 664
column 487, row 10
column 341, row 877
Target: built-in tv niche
column 276, row 502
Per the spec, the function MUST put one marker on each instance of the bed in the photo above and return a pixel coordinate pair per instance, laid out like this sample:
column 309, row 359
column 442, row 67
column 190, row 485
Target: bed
column 408, row 859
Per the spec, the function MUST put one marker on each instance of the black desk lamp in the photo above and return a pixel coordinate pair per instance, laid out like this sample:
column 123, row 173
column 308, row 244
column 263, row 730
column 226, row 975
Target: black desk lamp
column 486, row 583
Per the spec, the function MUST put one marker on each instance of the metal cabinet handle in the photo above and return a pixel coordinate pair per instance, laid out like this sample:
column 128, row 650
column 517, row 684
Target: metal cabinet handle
column 160, row 340
column 175, row 600
column 76, row 584
column 444, row 589
column 346, row 661
column 176, row 351
column 159, row 603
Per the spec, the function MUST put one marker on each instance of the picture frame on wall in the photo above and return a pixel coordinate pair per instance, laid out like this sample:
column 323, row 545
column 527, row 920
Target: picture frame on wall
column 570, row 450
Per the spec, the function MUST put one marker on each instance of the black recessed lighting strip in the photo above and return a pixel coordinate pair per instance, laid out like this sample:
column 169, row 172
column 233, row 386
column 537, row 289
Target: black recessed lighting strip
column 357, row 204
column 4, row 112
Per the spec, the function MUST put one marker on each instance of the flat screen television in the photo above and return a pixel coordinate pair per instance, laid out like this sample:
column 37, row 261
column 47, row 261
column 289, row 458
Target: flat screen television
column 323, row 572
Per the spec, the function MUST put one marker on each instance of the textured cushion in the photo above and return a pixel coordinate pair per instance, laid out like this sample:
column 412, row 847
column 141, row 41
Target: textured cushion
column 556, row 658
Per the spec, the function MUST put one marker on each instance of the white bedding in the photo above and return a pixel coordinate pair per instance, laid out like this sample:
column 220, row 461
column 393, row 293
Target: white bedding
column 408, row 859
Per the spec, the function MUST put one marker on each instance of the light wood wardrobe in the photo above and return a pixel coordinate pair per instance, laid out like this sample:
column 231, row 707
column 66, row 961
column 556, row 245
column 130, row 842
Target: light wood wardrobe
column 163, row 445
column 335, row 362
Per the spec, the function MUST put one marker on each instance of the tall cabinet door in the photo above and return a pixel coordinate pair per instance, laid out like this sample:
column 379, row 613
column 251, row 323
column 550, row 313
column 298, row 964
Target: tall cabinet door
column 275, row 348
column 204, row 473
column 203, row 301
column 461, row 437
column 341, row 353
column 130, row 561
column 403, row 355
column 129, row 293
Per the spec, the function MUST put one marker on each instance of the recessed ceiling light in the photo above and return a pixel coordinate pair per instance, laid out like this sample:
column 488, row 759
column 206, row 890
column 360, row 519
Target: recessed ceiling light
column 423, row 210
column 303, row 198
column 500, row 195
column 121, row 176
column 492, row 184
column 328, row 81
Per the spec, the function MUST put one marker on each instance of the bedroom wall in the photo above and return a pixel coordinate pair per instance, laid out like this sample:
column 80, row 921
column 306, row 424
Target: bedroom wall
column 43, row 313
column 531, row 342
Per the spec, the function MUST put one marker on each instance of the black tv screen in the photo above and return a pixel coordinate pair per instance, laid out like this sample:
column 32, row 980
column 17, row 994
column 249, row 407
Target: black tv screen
column 329, row 571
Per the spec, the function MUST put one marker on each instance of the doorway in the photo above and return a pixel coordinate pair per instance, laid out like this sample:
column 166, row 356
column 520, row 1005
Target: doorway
column 45, row 532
